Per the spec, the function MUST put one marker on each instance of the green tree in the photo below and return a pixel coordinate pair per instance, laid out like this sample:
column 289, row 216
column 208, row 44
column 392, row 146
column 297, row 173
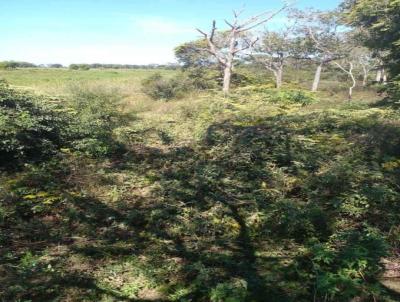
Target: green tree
column 380, row 23
column 192, row 54
column 274, row 51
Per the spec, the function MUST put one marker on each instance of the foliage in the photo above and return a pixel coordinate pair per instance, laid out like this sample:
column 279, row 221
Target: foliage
column 191, row 55
column 79, row 67
column 160, row 88
column 96, row 113
column 380, row 22
column 346, row 262
column 265, row 195
column 15, row 64
column 393, row 91
column 235, row 291
column 29, row 130
column 277, row 96
column 33, row 128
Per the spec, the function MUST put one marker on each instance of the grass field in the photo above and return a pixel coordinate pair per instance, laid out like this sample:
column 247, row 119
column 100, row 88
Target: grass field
column 57, row 81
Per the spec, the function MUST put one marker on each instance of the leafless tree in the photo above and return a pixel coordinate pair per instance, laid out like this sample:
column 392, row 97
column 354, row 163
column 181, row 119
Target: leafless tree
column 349, row 72
column 367, row 62
column 236, row 41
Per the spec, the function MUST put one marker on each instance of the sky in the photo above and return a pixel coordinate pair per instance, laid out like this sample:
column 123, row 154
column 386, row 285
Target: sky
column 117, row 31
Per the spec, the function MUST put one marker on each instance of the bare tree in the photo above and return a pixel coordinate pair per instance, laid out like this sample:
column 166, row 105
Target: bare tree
column 349, row 72
column 236, row 41
column 367, row 62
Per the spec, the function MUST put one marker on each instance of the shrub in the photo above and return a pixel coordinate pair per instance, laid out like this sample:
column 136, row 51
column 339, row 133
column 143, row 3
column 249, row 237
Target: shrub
column 242, row 77
column 32, row 130
column 347, row 264
column 202, row 78
column 160, row 88
column 277, row 96
column 95, row 118
column 29, row 131
column 235, row 291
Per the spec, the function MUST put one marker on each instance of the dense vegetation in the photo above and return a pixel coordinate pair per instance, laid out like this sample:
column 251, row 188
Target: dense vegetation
column 145, row 185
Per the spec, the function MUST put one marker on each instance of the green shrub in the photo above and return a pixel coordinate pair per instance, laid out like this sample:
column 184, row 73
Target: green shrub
column 160, row 88
column 29, row 130
column 33, row 129
column 96, row 113
column 235, row 291
column 202, row 78
column 284, row 96
column 243, row 77
column 345, row 266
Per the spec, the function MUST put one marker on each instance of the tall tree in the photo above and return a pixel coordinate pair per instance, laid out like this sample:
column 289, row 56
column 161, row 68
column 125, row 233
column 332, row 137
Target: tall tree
column 321, row 38
column 380, row 22
column 274, row 50
column 235, row 41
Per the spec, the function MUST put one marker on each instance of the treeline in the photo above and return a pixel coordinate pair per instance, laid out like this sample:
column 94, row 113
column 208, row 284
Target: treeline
column 121, row 66
column 21, row 64
column 16, row 64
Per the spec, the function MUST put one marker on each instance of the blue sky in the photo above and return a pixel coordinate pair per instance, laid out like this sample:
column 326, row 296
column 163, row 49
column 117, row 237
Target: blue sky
column 115, row 31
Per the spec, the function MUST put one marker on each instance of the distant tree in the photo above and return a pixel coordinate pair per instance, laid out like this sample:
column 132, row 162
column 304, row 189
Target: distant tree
column 15, row 64
column 274, row 51
column 55, row 65
column 79, row 66
column 235, row 41
column 74, row 66
column 321, row 38
column 84, row 66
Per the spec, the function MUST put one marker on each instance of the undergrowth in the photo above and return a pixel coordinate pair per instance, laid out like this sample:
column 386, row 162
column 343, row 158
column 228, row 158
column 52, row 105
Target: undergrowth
column 254, row 197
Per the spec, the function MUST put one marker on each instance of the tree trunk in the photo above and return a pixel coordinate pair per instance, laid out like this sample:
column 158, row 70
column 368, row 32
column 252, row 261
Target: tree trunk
column 365, row 77
column 378, row 75
column 384, row 76
column 278, row 77
column 227, row 79
column 354, row 83
column 317, row 78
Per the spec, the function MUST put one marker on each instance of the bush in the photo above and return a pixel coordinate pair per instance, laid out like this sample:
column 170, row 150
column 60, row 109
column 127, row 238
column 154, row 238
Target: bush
column 160, row 88
column 277, row 96
column 32, row 130
column 347, row 264
column 243, row 77
column 203, row 78
column 29, row 131
column 95, row 118
column 235, row 291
